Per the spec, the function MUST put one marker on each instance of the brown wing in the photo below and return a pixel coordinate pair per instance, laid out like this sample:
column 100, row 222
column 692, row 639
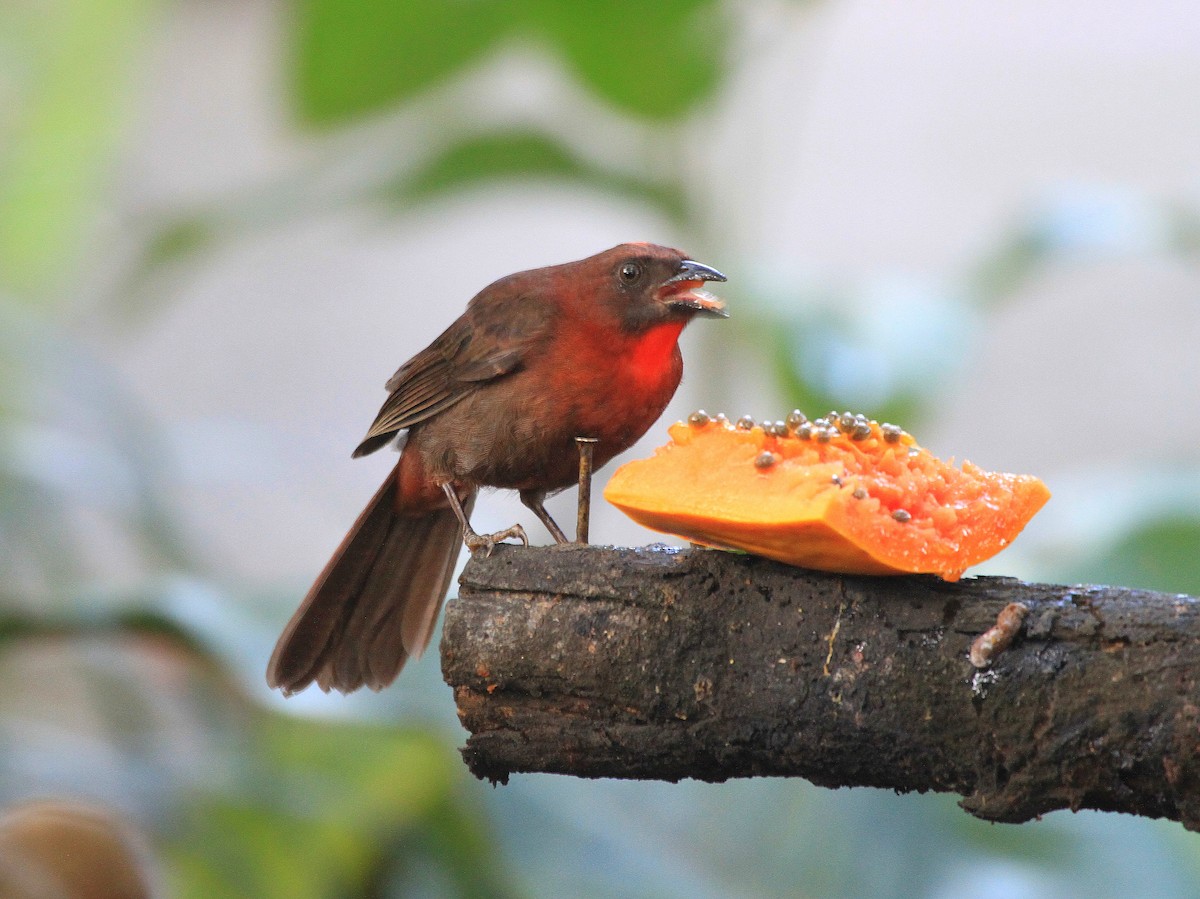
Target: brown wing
column 489, row 341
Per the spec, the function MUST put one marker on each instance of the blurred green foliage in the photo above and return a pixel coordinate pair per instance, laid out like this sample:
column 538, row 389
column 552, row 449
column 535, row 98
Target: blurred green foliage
column 356, row 57
column 125, row 696
column 1160, row 554
column 72, row 62
column 522, row 153
column 337, row 810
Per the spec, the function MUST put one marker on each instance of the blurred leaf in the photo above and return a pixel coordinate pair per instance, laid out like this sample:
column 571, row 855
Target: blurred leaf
column 353, row 57
column 337, row 810
column 85, row 621
column 514, row 154
column 1160, row 555
column 455, row 834
column 1008, row 268
column 180, row 238
column 371, row 776
column 233, row 850
column 657, row 60
column 53, row 158
column 1185, row 229
column 167, row 246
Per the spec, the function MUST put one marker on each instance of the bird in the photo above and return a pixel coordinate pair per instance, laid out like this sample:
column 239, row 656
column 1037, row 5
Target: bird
column 583, row 349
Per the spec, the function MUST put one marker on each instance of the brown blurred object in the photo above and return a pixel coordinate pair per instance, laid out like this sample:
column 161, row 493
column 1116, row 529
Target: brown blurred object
column 68, row 850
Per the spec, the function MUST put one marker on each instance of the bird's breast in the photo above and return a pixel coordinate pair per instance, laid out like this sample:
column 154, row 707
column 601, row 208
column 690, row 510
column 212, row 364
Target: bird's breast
column 620, row 386
column 653, row 356
column 619, row 380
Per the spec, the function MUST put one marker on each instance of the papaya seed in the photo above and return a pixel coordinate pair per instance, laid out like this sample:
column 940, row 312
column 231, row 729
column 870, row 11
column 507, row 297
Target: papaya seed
column 765, row 459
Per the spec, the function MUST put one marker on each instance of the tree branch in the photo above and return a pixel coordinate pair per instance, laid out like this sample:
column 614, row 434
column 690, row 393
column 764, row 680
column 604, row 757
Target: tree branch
column 656, row 664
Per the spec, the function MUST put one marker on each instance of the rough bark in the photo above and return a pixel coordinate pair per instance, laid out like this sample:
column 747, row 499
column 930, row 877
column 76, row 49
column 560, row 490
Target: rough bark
column 663, row 664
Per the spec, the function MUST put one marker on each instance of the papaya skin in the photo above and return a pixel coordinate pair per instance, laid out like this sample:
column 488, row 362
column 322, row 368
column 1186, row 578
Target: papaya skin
column 842, row 494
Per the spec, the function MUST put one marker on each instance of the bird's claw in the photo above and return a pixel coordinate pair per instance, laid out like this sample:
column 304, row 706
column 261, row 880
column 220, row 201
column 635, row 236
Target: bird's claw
column 487, row 542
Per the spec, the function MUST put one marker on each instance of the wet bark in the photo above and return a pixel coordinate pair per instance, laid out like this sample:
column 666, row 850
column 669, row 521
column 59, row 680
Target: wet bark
column 662, row 664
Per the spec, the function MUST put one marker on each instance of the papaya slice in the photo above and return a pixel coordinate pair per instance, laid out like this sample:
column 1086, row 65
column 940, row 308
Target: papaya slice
column 841, row 493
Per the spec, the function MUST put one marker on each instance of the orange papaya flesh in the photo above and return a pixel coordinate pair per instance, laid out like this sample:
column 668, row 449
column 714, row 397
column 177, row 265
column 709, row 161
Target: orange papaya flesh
column 842, row 494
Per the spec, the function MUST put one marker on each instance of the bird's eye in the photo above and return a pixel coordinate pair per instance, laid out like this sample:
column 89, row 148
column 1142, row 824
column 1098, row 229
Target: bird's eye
column 630, row 271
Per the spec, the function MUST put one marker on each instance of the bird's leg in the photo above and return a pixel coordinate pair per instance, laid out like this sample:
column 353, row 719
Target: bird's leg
column 533, row 499
column 474, row 541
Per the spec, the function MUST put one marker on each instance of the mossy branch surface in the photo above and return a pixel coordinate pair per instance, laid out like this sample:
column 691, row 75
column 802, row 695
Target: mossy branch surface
column 660, row 664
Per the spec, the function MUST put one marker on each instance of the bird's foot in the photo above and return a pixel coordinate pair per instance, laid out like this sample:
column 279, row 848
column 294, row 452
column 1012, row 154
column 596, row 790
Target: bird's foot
column 487, row 542
column 534, row 499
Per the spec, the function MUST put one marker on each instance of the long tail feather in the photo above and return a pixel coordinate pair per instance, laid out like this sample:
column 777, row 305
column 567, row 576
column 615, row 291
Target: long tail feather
column 375, row 604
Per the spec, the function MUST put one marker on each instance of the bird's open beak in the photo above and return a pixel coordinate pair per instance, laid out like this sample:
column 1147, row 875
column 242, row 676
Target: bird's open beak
column 682, row 290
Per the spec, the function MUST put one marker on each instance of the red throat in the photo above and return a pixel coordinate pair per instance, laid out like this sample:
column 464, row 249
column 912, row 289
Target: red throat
column 650, row 354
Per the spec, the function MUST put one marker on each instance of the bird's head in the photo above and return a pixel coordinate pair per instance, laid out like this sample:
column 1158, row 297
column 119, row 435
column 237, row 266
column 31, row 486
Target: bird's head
column 648, row 285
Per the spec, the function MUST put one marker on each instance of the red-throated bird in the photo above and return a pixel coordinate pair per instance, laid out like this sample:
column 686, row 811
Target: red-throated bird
column 585, row 349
